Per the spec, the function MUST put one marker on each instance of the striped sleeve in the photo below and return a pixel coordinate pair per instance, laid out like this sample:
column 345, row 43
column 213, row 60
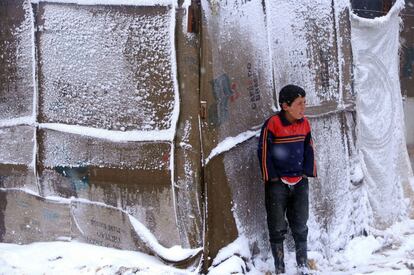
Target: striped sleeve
column 309, row 166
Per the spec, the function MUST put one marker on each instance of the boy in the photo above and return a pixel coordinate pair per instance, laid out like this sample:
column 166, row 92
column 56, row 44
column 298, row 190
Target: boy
column 286, row 159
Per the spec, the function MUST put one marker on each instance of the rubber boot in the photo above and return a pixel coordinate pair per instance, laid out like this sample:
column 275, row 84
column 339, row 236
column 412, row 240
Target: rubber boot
column 302, row 258
column 278, row 255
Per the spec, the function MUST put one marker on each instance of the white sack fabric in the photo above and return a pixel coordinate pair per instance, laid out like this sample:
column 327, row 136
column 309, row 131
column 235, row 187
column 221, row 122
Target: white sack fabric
column 380, row 118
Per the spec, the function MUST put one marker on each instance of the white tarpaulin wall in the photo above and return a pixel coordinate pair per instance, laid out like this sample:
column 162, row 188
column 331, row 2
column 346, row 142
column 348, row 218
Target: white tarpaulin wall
column 380, row 118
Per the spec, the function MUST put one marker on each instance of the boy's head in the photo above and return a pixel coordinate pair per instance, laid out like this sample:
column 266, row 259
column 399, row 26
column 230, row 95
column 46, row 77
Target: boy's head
column 292, row 101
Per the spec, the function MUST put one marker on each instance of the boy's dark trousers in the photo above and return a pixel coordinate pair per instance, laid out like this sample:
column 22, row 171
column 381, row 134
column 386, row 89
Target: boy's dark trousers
column 292, row 202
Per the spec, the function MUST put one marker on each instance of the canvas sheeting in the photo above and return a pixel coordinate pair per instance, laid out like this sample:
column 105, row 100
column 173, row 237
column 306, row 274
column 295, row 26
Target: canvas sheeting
column 116, row 131
column 407, row 50
column 380, row 128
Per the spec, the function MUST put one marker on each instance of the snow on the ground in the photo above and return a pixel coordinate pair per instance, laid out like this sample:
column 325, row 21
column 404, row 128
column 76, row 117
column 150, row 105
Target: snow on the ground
column 386, row 252
column 389, row 252
column 77, row 258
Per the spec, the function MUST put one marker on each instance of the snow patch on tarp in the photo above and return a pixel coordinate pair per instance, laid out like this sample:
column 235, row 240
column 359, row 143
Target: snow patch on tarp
column 174, row 254
column 27, row 120
column 112, row 135
column 16, row 147
column 111, row 2
column 380, row 118
column 229, row 143
column 125, row 77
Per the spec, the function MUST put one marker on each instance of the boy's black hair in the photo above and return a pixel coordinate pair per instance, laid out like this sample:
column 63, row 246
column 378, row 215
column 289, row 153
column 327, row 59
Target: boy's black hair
column 289, row 93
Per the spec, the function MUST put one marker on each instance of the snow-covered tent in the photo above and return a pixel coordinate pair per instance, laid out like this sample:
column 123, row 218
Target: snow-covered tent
column 133, row 124
column 89, row 127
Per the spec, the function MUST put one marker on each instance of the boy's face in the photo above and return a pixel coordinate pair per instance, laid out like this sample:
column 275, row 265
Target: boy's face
column 296, row 110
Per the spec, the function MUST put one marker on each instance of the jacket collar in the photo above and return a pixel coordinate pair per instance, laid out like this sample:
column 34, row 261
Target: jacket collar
column 284, row 120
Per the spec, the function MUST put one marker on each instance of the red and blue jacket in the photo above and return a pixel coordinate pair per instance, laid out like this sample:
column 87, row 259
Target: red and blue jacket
column 286, row 149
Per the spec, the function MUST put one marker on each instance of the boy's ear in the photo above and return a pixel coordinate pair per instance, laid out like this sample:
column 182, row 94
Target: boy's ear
column 284, row 106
